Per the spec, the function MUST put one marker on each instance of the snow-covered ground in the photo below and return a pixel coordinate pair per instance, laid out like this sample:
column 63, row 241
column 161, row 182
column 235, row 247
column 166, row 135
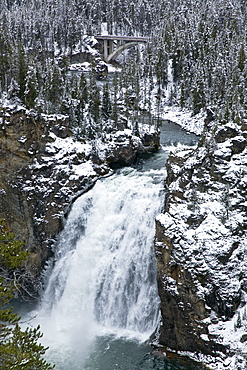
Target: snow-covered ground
column 185, row 119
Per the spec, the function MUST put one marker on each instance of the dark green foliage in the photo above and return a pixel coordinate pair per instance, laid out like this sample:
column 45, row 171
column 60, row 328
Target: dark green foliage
column 31, row 87
column 22, row 350
column 239, row 322
column 115, row 108
column 5, row 59
column 83, row 89
column 12, row 254
column 241, row 58
column 207, row 42
column 81, row 96
column 106, row 108
column 54, row 86
column 19, row 349
column 94, row 100
column 198, row 97
column 22, row 66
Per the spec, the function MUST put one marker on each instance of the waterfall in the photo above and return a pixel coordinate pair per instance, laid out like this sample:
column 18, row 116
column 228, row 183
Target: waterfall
column 101, row 302
column 104, row 277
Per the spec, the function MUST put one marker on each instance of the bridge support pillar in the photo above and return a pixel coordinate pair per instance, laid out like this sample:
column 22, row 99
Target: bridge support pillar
column 105, row 49
column 108, row 48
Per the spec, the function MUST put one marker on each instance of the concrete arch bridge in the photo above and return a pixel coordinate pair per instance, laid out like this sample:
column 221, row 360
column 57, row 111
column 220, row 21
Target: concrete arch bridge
column 112, row 46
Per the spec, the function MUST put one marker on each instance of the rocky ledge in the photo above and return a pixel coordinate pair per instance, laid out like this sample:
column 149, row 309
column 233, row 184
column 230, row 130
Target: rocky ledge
column 200, row 245
column 43, row 168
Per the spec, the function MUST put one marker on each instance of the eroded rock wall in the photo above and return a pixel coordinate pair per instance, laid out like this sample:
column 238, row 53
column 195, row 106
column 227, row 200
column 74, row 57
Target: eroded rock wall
column 201, row 242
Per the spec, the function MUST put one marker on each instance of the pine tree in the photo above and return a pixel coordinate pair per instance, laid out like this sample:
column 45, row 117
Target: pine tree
column 80, row 108
column 54, row 86
column 106, row 108
column 13, row 90
column 115, row 108
column 5, row 60
column 241, row 58
column 18, row 349
column 31, row 87
column 94, row 101
column 22, row 70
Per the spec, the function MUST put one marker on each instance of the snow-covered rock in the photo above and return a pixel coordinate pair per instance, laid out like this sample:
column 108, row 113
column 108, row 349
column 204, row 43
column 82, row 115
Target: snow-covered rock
column 201, row 244
column 44, row 167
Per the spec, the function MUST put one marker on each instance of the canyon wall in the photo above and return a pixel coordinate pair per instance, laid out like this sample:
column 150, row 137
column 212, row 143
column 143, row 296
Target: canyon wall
column 200, row 245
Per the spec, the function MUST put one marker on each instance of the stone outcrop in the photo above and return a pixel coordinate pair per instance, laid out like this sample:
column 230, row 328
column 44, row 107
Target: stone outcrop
column 43, row 168
column 200, row 246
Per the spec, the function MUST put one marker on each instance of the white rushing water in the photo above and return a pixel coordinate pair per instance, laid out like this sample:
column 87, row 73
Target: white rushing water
column 101, row 298
column 104, row 278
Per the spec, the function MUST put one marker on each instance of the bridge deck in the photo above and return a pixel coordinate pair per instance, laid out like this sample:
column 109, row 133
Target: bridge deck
column 121, row 38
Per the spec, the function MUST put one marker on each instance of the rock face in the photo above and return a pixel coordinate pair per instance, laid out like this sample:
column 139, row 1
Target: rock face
column 200, row 246
column 43, row 168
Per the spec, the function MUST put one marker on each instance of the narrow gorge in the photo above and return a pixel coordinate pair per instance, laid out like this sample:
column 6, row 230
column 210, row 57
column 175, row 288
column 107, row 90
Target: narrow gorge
column 200, row 238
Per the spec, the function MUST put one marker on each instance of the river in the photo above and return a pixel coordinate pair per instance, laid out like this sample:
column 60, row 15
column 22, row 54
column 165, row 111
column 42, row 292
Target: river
column 101, row 304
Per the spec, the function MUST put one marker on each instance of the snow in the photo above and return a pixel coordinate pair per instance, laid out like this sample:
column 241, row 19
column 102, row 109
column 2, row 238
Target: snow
column 104, row 28
column 224, row 150
column 204, row 337
column 66, row 147
column 185, row 119
column 113, row 69
column 22, row 139
column 84, row 67
column 214, row 244
column 211, row 237
column 10, row 107
column 82, row 170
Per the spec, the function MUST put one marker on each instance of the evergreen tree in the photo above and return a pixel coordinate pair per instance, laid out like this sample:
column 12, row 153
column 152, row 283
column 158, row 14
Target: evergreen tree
column 18, row 349
column 241, row 58
column 13, row 90
column 81, row 96
column 106, row 108
column 83, row 89
column 22, row 70
column 31, row 87
column 5, row 60
column 205, row 39
column 94, row 101
column 115, row 105
column 54, row 87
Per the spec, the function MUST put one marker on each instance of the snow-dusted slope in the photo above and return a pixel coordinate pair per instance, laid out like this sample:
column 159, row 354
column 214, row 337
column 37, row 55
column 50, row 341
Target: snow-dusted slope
column 201, row 244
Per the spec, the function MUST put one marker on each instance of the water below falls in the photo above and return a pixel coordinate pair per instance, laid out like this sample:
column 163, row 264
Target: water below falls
column 101, row 302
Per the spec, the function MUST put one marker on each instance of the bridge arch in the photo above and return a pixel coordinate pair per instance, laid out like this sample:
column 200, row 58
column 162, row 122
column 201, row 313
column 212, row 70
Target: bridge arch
column 112, row 46
column 120, row 49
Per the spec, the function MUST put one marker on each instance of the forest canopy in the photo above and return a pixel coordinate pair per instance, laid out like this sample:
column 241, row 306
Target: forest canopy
column 204, row 40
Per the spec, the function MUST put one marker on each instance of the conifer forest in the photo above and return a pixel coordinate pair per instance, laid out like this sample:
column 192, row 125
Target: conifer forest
column 204, row 40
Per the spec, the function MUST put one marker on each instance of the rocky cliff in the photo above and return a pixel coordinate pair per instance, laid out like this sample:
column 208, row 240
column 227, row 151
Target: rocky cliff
column 200, row 245
column 43, row 168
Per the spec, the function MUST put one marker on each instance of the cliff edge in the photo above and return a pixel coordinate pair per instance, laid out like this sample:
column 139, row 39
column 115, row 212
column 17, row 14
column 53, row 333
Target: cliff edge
column 200, row 246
